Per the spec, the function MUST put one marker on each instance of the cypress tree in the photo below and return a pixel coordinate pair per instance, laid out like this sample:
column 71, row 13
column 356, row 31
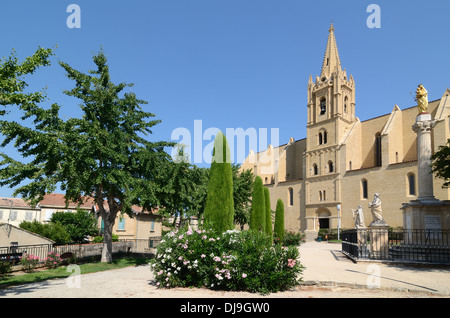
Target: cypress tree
column 257, row 217
column 268, row 212
column 219, row 207
column 279, row 221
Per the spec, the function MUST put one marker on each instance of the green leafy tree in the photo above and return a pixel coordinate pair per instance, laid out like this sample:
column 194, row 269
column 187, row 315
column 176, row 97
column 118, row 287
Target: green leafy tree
column 242, row 194
column 257, row 217
column 441, row 164
column 79, row 225
column 279, row 221
column 183, row 189
column 53, row 231
column 267, row 213
column 12, row 83
column 104, row 154
column 219, row 208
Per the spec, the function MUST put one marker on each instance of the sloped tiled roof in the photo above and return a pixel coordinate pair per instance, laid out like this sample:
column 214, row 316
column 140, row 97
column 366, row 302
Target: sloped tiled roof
column 57, row 199
column 134, row 208
column 16, row 203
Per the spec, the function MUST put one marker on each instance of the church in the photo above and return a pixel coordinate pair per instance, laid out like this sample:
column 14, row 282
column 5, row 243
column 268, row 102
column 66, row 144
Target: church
column 343, row 162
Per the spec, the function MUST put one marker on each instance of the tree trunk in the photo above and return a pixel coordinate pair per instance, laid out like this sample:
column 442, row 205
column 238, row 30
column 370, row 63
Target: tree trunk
column 107, row 240
column 109, row 218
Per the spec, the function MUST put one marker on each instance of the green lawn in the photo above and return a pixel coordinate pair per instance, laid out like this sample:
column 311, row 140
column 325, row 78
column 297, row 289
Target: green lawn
column 62, row 272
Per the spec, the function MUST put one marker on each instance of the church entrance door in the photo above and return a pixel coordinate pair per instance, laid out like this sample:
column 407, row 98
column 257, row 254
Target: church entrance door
column 324, row 223
column 323, row 215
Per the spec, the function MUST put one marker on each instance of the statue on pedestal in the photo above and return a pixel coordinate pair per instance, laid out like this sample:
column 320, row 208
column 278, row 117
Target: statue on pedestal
column 375, row 207
column 422, row 99
column 358, row 216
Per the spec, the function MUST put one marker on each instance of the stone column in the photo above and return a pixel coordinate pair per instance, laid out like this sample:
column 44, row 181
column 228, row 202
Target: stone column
column 422, row 127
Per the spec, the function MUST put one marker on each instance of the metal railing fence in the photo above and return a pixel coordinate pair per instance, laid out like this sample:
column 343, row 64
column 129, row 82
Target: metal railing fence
column 145, row 247
column 418, row 245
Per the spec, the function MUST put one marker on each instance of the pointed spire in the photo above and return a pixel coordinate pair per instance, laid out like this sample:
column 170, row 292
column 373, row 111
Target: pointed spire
column 331, row 61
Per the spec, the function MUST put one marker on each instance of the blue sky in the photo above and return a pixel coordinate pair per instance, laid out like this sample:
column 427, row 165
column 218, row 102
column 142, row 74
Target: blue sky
column 236, row 63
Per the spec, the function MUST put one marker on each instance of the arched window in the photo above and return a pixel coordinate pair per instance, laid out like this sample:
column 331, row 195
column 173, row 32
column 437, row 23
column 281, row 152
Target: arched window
column 330, row 166
column 364, row 189
column 345, row 104
column 320, row 196
column 291, row 196
column 378, row 150
column 411, row 184
column 323, row 137
column 315, row 170
column 323, row 106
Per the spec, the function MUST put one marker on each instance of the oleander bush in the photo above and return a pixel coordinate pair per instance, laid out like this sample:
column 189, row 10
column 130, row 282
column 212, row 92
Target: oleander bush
column 293, row 238
column 234, row 261
column 52, row 260
column 5, row 268
column 29, row 262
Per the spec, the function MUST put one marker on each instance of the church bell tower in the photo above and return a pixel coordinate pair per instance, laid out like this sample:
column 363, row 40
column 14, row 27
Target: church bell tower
column 331, row 112
column 331, row 100
column 332, row 94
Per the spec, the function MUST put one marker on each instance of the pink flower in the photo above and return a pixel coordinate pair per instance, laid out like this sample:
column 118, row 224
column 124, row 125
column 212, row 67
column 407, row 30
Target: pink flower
column 244, row 275
column 203, row 256
column 291, row 263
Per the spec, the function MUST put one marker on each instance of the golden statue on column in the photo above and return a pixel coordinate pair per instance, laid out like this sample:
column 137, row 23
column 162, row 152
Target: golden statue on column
column 422, row 99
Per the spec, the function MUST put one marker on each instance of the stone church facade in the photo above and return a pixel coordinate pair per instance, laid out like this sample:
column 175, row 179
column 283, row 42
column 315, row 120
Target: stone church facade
column 343, row 161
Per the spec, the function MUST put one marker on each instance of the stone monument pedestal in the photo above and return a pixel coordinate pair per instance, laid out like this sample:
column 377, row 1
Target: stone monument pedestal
column 363, row 250
column 379, row 240
column 426, row 215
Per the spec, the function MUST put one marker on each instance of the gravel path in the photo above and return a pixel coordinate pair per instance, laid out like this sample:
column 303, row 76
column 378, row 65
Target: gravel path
column 328, row 274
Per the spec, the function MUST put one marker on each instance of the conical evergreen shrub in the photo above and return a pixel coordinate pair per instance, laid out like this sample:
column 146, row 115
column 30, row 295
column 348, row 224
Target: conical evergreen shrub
column 257, row 216
column 219, row 207
column 268, row 213
column 279, row 221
